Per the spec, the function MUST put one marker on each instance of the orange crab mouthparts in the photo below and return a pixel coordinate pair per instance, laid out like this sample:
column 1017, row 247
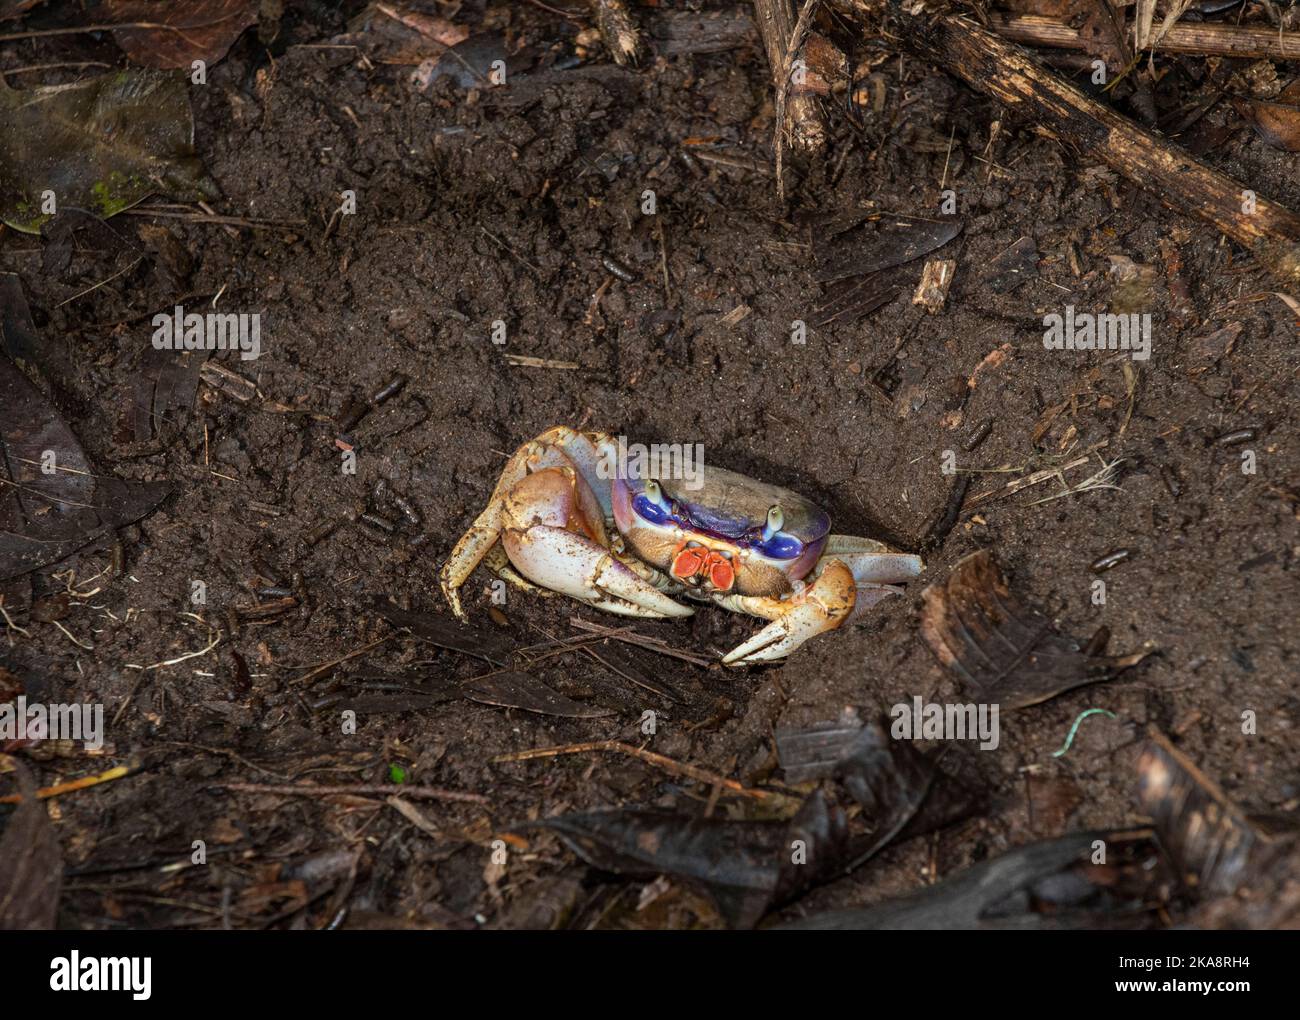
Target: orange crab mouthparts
column 696, row 562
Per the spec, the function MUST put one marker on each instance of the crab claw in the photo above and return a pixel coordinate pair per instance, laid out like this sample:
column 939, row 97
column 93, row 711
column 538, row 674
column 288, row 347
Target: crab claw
column 821, row 606
column 576, row 566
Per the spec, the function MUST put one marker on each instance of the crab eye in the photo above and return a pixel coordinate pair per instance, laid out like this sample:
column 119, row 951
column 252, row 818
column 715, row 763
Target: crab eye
column 775, row 543
column 775, row 522
column 650, row 504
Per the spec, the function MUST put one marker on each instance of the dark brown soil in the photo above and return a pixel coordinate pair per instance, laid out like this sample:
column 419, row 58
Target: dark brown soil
column 473, row 208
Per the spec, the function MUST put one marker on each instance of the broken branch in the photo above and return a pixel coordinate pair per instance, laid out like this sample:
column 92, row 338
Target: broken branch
column 1201, row 40
column 1007, row 73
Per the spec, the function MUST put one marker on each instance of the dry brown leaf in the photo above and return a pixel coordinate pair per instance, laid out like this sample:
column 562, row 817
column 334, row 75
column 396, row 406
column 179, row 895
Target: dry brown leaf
column 1005, row 652
column 182, row 31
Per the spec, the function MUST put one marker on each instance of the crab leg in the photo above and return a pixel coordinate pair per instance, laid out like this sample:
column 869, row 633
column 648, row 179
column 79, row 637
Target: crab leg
column 873, row 563
column 483, row 533
column 821, row 606
column 574, row 565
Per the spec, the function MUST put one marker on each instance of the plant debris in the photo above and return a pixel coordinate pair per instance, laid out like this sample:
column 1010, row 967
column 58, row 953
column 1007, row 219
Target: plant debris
column 52, row 502
column 31, row 864
column 891, row 241
column 103, row 144
column 1051, row 885
column 1005, row 652
column 179, row 32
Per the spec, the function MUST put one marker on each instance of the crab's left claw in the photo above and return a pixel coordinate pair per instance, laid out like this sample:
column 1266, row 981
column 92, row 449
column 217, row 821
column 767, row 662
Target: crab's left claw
column 822, row 606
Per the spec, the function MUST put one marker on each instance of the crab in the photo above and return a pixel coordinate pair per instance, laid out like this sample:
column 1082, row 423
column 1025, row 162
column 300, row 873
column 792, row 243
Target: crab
column 558, row 523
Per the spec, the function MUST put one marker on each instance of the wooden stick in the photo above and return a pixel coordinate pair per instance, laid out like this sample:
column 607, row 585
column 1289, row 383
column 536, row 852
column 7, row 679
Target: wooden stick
column 1007, row 73
column 355, row 790
column 619, row 30
column 1213, row 40
column 667, row 764
column 84, row 783
column 802, row 118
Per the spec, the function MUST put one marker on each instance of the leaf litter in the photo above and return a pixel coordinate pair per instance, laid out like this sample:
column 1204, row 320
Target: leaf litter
column 1003, row 651
column 103, row 145
column 46, row 515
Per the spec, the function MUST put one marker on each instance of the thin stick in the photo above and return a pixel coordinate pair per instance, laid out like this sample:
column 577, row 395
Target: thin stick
column 335, row 663
column 229, row 221
column 79, row 29
column 527, row 361
column 85, row 782
column 631, row 637
column 50, row 67
column 667, row 764
column 101, row 283
column 356, row 790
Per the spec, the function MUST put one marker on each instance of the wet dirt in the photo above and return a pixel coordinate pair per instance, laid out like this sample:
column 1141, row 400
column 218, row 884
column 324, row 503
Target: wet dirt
column 474, row 210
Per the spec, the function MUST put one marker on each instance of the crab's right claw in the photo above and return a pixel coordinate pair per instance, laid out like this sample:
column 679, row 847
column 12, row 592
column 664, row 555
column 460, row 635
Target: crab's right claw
column 820, row 607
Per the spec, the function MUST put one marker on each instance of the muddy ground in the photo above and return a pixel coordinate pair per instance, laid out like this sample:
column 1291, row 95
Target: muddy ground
column 474, row 208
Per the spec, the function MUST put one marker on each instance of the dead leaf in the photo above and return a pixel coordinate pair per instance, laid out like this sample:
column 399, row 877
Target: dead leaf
column 746, row 866
column 103, row 144
column 899, row 789
column 448, row 632
column 874, row 791
column 1277, row 121
column 31, row 863
column 414, row 35
column 181, row 31
column 1005, row 652
column 893, row 241
column 1208, row 837
column 16, row 8
column 1047, row 885
column 52, row 502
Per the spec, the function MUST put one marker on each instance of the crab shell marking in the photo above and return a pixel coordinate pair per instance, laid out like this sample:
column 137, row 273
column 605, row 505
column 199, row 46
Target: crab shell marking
column 715, row 533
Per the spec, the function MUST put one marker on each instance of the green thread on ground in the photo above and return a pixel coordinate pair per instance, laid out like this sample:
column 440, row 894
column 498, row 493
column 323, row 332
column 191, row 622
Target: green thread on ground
column 1075, row 728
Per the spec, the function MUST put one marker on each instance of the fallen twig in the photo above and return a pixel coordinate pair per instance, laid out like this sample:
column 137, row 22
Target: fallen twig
column 72, row 785
column 527, row 361
column 333, row 664
column 631, row 637
column 783, row 37
column 1203, row 39
column 667, row 764
column 356, row 790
